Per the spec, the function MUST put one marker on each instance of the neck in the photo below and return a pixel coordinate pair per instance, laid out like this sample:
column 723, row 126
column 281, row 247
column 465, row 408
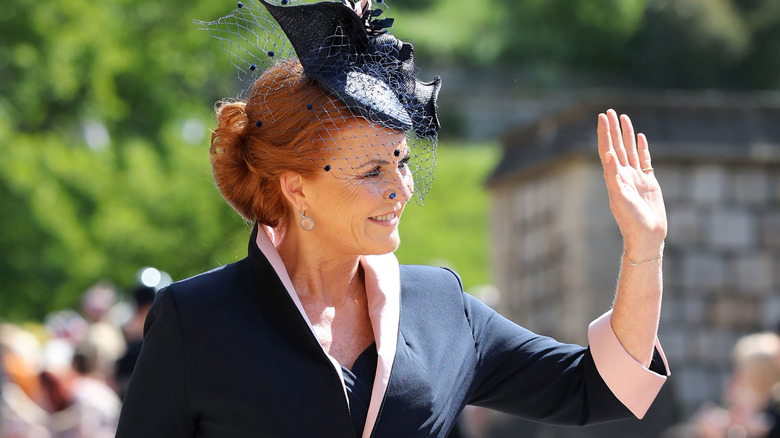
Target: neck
column 317, row 273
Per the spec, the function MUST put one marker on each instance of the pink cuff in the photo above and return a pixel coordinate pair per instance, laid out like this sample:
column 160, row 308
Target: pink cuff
column 633, row 384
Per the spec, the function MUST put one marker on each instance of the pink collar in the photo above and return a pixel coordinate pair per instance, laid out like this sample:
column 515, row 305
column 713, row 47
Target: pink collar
column 383, row 291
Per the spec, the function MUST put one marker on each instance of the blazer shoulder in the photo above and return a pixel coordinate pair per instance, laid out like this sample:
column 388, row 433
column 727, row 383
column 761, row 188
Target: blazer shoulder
column 211, row 284
column 430, row 276
column 426, row 287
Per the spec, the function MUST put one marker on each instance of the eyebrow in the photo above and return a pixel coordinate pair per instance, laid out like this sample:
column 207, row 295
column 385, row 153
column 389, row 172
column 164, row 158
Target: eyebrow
column 374, row 163
column 380, row 162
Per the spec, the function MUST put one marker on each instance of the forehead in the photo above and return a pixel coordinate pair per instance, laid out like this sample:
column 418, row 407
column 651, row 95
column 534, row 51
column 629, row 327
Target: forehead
column 362, row 139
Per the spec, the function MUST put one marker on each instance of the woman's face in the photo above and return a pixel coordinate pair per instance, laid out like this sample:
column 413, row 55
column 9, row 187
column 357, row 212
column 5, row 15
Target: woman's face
column 358, row 202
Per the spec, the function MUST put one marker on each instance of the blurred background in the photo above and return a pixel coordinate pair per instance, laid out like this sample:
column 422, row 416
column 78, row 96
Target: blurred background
column 105, row 111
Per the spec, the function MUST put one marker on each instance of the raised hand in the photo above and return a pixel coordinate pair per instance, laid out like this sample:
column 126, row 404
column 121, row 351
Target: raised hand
column 634, row 193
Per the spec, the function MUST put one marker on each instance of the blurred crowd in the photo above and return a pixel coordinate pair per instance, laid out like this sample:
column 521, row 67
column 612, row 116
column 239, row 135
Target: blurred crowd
column 65, row 377
column 750, row 402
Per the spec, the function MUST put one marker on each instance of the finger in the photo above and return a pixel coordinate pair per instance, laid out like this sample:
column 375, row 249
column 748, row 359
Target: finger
column 611, row 176
column 644, row 154
column 629, row 141
column 605, row 139
column 617, row 141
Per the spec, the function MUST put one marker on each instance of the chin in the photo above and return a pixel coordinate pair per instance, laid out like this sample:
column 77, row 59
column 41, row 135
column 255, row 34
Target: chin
column 395, row 241
column 387, row 246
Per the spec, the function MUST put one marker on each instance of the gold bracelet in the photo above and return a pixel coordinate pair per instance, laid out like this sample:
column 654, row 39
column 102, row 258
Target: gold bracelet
column 657, row 259
column 633, row 263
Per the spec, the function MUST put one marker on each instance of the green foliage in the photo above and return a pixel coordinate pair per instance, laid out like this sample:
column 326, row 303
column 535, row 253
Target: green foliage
column 644, row 43
column 412, row 5
column 79, row 216
column 580, row 32
column 452, row 29
column 690, row 43
column 522, row 32
column 453, row 227
column 100, row 104
column 130, row 64
column 761, row 66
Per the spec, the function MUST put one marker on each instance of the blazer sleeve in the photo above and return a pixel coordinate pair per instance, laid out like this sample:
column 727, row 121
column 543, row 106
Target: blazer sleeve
column 539, row 378
column 156, row 401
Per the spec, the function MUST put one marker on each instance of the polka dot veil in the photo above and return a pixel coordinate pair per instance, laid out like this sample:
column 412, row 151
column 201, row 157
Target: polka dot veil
column 344, row 48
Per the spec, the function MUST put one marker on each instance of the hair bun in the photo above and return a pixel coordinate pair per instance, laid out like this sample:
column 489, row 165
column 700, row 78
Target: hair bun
column 232, row 121
column 230, row 165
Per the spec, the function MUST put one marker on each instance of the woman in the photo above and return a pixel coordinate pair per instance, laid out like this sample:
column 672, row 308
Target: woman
column 319, row 331
column 751, row 395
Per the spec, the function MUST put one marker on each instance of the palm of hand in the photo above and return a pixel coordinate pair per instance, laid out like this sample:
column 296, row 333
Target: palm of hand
column 634, row 193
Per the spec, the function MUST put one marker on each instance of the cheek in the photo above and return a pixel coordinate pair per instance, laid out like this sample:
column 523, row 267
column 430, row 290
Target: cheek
column 367, row 192
column 350, row 201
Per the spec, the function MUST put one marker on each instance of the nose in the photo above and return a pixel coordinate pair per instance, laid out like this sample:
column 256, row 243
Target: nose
column 398, row 187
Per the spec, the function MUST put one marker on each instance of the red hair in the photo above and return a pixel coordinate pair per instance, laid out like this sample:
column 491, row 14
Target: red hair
column 279, row 129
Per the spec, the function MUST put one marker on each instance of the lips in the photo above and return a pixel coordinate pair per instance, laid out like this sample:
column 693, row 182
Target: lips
column 383, row 218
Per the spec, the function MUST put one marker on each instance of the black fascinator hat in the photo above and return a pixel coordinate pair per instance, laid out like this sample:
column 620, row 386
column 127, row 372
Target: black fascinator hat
column 345, row 48
column 365, row 67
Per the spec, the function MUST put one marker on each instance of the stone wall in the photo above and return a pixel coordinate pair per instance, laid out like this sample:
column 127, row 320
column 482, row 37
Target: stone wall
column 556, row 251
column 721, row 270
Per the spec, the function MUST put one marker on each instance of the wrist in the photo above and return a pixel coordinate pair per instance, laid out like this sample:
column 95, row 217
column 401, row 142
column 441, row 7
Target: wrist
column 647, row 252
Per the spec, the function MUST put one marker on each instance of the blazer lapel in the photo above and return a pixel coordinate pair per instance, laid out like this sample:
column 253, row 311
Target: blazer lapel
column 383, row 290
column 267, row 248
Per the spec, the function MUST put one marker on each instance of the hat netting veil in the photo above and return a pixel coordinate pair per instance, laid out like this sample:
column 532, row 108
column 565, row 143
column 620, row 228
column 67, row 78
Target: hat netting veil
column 345, row 49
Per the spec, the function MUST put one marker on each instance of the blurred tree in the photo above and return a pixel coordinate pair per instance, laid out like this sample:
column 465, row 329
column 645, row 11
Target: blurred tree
column 732, row 44
column 560, row 32
column 645, row 43
column 761, row 66
column 566, row 32
column 104, row 109
column 689, row 43
column 450, row 31
column 411, row 5
column 76, row 215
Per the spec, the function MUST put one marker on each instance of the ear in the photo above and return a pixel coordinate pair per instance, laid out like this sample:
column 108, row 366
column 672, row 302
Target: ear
column 293, row 185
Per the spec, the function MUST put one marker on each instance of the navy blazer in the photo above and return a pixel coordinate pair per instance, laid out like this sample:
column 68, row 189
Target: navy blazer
column 228, row 354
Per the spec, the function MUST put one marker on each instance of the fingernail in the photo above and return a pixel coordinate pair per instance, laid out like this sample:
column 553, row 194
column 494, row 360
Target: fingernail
column 609, row 158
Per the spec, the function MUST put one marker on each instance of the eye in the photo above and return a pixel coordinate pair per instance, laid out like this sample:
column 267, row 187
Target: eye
column 374, row 172
column 407, row 165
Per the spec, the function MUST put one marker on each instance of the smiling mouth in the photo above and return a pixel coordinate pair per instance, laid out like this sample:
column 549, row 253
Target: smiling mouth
column 384, row 218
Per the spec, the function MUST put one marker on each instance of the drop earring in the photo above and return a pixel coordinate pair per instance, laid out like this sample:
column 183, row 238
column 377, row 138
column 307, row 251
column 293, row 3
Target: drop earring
column 307, row 223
